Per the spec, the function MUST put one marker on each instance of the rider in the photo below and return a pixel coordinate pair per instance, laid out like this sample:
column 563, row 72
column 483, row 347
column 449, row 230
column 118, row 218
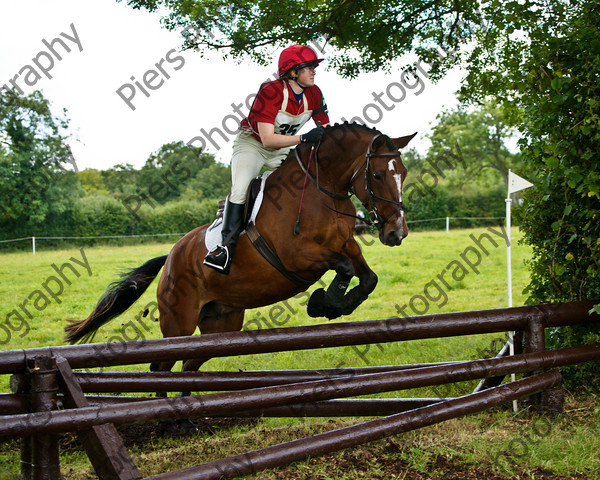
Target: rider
column 280, row 109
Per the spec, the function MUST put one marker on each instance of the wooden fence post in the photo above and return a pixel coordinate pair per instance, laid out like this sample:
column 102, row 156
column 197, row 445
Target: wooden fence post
column 534, row 340
column 103, row 444
column 42, row 451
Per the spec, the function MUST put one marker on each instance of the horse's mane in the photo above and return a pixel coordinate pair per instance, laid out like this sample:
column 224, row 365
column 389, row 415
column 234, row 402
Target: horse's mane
column 351, row 126
column 330, row 129
column 362, row 126
column 346, row 124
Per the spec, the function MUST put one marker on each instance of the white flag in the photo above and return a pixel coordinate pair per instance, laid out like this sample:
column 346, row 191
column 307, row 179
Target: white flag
column 516, row 183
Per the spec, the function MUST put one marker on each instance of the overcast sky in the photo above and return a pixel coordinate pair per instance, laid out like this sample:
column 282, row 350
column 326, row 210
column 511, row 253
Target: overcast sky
column 110, row 42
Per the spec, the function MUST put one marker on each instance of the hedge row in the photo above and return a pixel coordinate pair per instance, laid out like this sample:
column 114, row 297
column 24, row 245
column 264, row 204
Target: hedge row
column 442, row 202
column 106, row 216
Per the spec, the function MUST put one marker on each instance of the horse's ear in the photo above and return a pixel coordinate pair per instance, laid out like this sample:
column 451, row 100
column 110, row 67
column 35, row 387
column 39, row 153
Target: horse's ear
column 403, row 141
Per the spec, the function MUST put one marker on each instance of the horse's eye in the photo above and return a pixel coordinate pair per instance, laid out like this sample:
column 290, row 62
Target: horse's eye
column 378, row 177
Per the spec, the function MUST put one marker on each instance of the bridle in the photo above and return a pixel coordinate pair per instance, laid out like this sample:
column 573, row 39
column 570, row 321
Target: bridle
column 370, row 205
column 376, row 217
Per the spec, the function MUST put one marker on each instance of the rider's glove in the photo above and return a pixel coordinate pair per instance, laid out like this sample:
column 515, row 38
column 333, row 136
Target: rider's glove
column 314, row 136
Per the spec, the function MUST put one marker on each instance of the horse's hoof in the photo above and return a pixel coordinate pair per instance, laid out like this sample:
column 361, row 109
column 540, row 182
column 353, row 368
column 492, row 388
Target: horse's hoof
column 320, row 306
column 176, row 427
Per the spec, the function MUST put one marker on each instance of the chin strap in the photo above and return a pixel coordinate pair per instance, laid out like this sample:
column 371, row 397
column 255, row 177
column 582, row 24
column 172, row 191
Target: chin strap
column 298, row 83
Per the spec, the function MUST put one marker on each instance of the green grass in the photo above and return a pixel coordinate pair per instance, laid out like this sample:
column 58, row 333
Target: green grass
column 424, row 268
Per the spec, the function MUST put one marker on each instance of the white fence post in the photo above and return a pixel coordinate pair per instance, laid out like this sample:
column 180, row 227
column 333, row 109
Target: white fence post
column 447, row 224
column 33, row 244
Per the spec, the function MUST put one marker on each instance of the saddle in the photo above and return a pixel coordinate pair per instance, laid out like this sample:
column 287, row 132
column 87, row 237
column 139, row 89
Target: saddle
column 253, row 204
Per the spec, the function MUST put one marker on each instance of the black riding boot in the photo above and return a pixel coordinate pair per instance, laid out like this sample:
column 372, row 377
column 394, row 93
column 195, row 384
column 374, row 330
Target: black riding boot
column 221, row 258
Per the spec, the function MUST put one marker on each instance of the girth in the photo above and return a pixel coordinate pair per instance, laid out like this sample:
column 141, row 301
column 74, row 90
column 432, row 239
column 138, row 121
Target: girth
column 270, row 256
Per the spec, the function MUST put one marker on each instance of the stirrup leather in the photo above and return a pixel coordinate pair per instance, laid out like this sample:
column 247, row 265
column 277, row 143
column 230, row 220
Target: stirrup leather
column 231, row 229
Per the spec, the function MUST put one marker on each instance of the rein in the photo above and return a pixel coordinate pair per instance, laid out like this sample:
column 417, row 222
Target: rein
column 377, row 220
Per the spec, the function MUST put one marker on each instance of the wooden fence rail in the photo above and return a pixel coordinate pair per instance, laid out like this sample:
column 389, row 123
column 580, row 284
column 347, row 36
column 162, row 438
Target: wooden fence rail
column 49, row 398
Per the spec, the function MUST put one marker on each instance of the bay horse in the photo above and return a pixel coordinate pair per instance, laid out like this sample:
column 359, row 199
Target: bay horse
column 351, row 159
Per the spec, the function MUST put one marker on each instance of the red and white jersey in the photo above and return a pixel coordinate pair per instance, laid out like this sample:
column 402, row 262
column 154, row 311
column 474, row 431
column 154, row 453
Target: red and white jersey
column 276, row 104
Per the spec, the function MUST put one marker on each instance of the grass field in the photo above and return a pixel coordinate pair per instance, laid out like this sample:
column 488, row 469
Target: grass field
column 431, row 272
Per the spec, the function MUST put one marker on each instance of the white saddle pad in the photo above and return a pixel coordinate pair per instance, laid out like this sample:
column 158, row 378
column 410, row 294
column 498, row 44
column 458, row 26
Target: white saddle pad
column 212, row 239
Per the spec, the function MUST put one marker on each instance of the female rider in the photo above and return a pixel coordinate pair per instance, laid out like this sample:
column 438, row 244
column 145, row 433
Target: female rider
column 267, row 134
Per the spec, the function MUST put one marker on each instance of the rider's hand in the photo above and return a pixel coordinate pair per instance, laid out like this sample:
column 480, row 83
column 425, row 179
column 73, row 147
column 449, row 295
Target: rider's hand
column 314, row 136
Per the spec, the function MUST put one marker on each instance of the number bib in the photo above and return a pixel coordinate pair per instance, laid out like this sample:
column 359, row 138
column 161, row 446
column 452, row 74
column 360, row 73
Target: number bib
column 287, row 123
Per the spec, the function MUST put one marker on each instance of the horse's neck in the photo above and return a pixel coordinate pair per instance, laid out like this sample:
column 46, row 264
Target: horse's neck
column 337, row 167
column 333, row 164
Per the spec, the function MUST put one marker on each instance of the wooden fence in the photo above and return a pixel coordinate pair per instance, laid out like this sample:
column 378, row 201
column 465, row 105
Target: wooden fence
column 49, row 397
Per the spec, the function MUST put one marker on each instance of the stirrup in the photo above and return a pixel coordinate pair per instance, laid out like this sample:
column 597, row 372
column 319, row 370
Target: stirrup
column 220, row 261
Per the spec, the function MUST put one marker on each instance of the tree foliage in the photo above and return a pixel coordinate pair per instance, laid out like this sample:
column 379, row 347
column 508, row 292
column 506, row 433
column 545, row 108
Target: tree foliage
column 33, row 159
column 173, row 165
column 473, row 142
column 562, row 145
column 213, row 181
column 461, row 173
column 542, row 62
column 561, row 118
column 44, row 193
column 166, row 175
column 92, row 182
column 366, row 36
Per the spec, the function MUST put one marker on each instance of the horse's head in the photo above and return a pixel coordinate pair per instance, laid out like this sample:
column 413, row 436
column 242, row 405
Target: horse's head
column 383, row 175
column 367, row 163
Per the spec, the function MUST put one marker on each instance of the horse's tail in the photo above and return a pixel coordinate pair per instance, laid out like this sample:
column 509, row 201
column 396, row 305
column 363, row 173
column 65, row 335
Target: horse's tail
column 119, row 296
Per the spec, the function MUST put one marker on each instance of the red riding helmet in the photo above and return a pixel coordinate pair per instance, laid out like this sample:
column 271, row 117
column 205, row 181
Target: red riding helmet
column 297, row 57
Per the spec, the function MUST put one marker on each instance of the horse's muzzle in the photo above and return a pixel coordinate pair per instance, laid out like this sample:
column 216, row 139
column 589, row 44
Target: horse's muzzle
column 394, row 238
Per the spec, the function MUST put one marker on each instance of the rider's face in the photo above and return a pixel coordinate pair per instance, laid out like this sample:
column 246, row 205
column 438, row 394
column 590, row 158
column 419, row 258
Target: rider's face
column 306, row 76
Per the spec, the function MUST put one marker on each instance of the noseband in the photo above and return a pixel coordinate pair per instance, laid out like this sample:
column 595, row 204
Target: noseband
column 376, row 218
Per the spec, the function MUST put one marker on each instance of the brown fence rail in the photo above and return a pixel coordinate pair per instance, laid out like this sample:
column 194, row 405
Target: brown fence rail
column 231, row 402
column 50, row 398
column 307, row 337
column 366, row 432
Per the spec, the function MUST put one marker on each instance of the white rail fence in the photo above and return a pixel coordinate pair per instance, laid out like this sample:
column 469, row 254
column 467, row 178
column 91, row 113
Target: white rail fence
column 33, row 239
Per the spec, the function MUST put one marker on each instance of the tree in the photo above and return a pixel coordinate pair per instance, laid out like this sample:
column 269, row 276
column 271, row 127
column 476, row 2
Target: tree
column 34, row 158
column 172, row 166
column 561, row 215
column 92, row 182
column 471, row 145
column 367, row 36
column 563, row 149
column 121, row 179
column 211, row 182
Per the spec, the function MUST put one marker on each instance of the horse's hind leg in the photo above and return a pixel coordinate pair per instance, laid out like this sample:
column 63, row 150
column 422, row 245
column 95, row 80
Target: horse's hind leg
column 219, row 322
column 173, row 324
column 176, row 322
column 214, row 322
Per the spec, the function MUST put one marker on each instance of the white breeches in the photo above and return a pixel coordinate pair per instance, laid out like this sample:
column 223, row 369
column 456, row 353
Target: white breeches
column 249, row 156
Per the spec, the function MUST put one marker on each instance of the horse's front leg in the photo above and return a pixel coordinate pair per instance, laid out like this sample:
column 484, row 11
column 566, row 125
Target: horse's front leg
column 367, row 279
column 335, row 301
column 328, row 303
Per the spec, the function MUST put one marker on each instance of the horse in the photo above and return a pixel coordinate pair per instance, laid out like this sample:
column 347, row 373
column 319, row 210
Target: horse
column 307, row 225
